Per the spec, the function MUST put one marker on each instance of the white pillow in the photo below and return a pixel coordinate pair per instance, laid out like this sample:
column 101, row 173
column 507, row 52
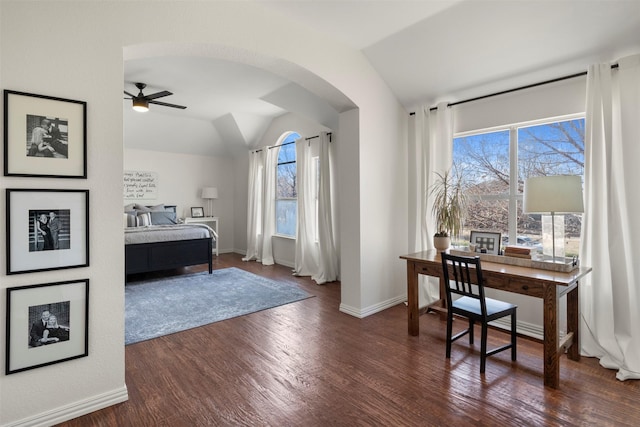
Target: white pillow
column 143, row 219
column 130, row 219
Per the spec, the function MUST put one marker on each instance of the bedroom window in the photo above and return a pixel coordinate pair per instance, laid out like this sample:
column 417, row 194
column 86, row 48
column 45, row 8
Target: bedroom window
column 286, row 192
column 494, row 165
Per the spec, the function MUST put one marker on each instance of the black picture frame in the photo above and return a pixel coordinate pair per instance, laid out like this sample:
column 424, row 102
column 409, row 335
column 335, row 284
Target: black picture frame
column 197, row 212
column 31, row 310
column 33, row 244
column 57, row 150
column 488, row 240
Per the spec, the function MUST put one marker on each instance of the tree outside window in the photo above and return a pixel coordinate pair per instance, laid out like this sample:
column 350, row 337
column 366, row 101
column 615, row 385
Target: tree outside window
column 286, row 191
column 495, row 164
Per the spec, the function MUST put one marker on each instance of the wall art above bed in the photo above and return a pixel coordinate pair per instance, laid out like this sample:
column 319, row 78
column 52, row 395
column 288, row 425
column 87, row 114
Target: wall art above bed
column 139, row 185
column 44, row 136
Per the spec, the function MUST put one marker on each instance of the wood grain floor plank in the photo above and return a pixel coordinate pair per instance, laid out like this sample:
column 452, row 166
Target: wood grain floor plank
column 307, row 364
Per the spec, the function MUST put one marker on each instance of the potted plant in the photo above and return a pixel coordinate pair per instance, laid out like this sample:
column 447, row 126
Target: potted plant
column 449, row 208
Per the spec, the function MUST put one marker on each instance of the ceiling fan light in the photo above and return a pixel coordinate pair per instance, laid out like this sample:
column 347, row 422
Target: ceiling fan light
column 140, row 104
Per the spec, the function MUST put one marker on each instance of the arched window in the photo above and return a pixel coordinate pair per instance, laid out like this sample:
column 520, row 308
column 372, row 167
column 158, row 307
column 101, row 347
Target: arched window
column 286, row 191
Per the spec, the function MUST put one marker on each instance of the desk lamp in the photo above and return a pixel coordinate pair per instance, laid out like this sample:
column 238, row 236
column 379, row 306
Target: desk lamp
column 552, row 195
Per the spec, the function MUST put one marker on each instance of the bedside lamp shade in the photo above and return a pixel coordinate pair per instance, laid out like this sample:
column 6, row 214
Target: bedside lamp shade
column 209, row 193
column 552, row 195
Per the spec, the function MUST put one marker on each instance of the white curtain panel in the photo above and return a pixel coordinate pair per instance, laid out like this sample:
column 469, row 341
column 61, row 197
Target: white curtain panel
column 329, row 270
column 610, row 295
column 255, row 206
column 269, row 205
column 418, row 240
column 307, row 254
column 316, row 259
column 433, row 146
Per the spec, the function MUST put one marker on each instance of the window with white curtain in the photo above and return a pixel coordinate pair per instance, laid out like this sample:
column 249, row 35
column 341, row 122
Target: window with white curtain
column 286, row 191
column 494, row 164
column 316, row 188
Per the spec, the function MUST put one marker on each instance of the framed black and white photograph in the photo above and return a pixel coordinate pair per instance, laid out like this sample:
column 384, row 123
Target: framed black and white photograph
column 46, row 229
column 487, row 240
column 44, row 136
column 197, row 212
column 46, row 324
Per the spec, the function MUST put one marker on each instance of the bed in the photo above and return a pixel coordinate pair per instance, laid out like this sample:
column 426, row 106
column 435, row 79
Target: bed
column 154, row 240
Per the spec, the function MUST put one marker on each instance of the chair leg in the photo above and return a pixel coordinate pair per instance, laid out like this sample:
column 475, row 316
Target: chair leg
column 471, row 324
column 513, row 336
column 449, row 333
column 483, row 348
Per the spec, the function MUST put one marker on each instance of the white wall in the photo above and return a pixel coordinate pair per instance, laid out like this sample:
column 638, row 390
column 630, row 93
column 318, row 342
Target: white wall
column 180, row 181
column 541, row 102
column 76, row 49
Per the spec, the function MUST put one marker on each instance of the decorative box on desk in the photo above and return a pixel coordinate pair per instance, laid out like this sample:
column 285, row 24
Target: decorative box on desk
column 568, row 264
column 211, row 221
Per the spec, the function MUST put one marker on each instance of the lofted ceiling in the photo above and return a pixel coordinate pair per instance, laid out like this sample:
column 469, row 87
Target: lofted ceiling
column 427, row 51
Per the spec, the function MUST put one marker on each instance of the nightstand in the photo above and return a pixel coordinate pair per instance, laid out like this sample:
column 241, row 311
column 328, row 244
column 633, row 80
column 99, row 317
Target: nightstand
column 211, row 221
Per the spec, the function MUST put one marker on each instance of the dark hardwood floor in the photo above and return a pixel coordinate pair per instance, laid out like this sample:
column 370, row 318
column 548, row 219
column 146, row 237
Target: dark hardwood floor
column 307, row 364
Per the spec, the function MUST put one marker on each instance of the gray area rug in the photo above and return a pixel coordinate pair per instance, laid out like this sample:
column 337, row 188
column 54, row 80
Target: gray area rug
column 158, row 307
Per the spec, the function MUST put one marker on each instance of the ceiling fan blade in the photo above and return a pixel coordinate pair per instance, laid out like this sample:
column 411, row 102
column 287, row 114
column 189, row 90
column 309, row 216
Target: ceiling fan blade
column 182, row 107
column 127, row 93
column 158, row 94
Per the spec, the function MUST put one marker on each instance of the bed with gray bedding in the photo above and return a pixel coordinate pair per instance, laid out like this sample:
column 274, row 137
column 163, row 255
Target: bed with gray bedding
column 154, row 241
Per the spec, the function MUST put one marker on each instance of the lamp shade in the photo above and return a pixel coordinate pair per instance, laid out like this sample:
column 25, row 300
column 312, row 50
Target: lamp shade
column 557, row 194
column 209, row 193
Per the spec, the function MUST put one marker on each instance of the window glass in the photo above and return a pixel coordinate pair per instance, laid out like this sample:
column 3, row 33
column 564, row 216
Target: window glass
column 286, row 191
column 490, row 162
column 483, row 162
column 548, row 149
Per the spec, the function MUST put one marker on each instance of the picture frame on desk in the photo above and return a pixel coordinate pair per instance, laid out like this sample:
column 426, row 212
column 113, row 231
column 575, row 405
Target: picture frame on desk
column 197, row 212
column 487, row 240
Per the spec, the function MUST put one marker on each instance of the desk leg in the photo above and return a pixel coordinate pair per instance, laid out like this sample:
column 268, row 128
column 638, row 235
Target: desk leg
column 573, row 319
column 551, row 338
column 412, row 299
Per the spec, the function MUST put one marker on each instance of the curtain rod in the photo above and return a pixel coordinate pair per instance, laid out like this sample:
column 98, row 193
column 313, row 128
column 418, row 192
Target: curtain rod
column 477, row 98
column 291, row 142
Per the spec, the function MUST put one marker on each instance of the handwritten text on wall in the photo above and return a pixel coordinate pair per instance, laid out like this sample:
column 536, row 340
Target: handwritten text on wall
column 140, row 185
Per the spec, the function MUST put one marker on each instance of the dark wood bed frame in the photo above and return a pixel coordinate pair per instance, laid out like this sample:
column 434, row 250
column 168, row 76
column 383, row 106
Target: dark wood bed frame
column 156, row 256
column 147, row 257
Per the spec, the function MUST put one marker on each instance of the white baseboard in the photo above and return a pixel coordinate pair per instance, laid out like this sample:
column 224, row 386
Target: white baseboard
column 74, row 410
column 524, row 328
column 285, row 263
column 231, row 251
column 368, row 311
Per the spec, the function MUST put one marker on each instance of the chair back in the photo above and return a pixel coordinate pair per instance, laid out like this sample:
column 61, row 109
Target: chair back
column 463, row 276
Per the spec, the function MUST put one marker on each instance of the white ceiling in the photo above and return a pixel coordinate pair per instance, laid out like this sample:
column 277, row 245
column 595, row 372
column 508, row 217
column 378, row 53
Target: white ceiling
column 426, row 51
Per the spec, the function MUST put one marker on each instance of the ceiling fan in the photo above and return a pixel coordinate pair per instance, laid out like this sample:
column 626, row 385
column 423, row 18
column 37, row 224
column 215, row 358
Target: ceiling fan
column 141, row 102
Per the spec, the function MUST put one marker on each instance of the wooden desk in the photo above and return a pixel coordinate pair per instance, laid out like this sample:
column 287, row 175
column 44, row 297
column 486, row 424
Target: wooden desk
column 545, row 284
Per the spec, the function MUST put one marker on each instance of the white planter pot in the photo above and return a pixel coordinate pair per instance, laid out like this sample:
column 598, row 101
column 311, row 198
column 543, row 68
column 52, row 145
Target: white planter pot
column 441, row 243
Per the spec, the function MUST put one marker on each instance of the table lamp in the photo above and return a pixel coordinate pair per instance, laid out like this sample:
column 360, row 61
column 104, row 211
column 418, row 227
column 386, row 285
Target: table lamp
column 209, row 193
column 553, row 195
